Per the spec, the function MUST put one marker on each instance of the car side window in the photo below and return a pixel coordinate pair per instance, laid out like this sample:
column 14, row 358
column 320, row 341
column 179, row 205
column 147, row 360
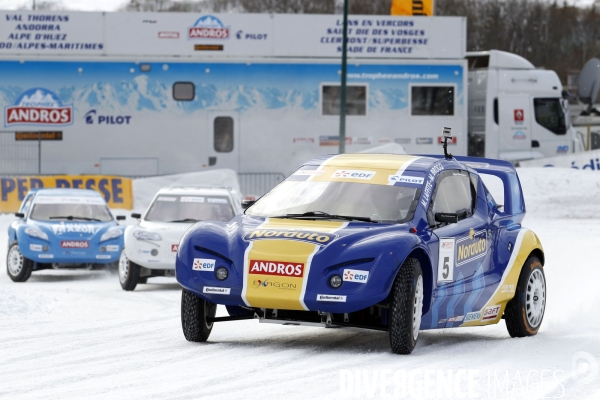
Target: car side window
column 453, row 194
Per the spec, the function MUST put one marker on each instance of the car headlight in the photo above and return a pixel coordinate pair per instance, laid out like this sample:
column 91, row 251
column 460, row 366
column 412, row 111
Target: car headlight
column 145, row 235
column 111, row 234
column 35, row 232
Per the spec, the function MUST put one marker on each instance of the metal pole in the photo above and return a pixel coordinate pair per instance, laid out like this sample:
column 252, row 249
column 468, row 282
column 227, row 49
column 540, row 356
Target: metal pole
column 342, row 148
column 39, row 153
column 33, row 5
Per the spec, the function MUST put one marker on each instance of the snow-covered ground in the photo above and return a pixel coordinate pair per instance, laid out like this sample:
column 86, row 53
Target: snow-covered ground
column 77, row 334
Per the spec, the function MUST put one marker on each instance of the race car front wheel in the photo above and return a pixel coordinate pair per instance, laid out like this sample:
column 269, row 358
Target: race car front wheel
column 129, row 273
column 194, row 312
column 406, row 307
column 525, row 312
column 18, row 267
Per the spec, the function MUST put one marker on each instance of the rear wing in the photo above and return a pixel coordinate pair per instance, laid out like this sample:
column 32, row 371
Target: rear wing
column 514, row 203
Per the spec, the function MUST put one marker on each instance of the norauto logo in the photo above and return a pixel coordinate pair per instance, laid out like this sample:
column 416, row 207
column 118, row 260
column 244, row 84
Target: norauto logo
column 208, row 27
column 74, row 244
column 471, row 247
column 320, row 238
column 278, row 268
column 38, row 106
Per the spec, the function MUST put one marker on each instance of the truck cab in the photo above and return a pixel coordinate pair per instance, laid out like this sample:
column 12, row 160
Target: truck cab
column 516, row 112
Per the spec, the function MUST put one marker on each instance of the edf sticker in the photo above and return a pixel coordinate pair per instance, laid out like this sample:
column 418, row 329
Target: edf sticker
column 203, row 264
column 356, row 275
column 446, row 260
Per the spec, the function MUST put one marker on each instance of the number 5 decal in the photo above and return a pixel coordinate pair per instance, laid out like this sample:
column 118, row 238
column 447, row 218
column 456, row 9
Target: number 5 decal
column 446, row 260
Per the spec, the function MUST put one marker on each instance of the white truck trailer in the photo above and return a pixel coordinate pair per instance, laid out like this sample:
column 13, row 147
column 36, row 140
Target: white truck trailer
column 161, row 93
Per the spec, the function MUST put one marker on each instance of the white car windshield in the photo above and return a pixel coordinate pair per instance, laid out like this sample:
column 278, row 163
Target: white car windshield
column 379, row 203
column 190, row 208
column 65, row 208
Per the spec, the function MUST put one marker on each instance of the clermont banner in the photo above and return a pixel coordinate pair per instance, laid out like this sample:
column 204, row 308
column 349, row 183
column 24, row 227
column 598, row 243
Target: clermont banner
column 412, row 7
column 116, row 190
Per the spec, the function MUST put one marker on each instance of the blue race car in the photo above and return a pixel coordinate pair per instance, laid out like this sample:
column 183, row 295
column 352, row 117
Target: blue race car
column 396, row 243
column 62, row 228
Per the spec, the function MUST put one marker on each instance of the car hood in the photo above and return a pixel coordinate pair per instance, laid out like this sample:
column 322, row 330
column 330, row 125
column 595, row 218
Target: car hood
column 73, row 229
column 247, row 238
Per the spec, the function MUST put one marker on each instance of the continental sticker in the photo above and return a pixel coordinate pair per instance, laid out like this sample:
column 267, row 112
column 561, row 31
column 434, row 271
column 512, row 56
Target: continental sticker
column 318, row 238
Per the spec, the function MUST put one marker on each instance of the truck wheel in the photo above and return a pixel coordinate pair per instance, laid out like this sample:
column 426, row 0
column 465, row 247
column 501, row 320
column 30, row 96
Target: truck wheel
column 406, row 307
column 525, row 312
column 129, row 272
column 18, row 267
column 194, row 311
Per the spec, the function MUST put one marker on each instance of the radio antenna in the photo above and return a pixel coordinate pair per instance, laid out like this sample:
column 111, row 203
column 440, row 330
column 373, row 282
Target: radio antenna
column 447, row 135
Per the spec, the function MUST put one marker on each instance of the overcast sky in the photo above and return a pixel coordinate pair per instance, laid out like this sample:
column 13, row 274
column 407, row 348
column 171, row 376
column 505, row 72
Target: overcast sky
column 113, row 5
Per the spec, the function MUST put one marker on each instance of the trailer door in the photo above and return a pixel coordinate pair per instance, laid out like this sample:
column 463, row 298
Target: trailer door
column 514, row 140
column 223, row 139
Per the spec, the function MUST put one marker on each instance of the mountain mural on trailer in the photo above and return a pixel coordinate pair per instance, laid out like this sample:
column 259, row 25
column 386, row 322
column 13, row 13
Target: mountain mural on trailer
column 144, row 93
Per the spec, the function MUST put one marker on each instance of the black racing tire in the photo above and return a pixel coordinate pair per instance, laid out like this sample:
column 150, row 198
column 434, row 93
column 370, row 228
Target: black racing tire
column 18, row 267
column 524, row 313
column 129, row 273
column 406, row 307
column 194, row 311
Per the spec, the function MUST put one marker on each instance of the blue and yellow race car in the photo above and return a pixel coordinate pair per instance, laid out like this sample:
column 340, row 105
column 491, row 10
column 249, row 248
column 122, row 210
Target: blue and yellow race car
column 62, row 228
column 397, row 243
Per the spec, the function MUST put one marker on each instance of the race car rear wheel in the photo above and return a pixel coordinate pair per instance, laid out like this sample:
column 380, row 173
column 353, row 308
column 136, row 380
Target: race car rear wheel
column 525, row 312
column 406, row 307
column 194, row 312
column 129, row 272
column 18, row 267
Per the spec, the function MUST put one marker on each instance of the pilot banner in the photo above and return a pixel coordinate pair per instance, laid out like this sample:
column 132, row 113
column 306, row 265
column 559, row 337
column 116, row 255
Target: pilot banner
column 412, row 7
column 116, row 190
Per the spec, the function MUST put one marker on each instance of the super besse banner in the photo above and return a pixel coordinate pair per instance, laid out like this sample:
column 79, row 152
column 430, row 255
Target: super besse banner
column 116, row 190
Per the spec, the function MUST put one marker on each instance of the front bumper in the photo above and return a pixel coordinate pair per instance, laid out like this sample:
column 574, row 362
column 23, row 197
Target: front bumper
column 317, row 295
column 49, row 252
column 151, row 255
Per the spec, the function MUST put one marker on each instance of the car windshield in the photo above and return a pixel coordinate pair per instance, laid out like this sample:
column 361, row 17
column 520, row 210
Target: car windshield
column 63, row 208
column 380, row 203
column 172, row 208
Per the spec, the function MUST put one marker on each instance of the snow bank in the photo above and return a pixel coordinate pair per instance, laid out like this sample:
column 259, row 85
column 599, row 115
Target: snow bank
column 561, row 192
column 144, row 189
column 388, row 148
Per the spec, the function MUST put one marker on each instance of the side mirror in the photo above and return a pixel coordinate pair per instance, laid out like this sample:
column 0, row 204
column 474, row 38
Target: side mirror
column 450, row 218
column 20, row 215
column 247, row 203
column 566, row 95
column 121, row 218
column 447, row 218
column 136, row 215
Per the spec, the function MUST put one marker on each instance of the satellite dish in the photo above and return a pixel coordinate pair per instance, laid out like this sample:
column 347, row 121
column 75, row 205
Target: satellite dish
column 588, row 86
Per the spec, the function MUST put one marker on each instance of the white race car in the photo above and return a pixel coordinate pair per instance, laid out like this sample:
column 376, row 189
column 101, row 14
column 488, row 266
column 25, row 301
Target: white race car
column 151, row 245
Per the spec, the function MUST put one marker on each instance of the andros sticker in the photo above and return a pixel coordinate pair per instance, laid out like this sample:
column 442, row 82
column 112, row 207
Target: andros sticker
column 208, row 27
column 203, row 264
column 353, row 174
column 74, row 244
column 356, row 275
column 490, row 313
column 38, row 106
column 278, row 268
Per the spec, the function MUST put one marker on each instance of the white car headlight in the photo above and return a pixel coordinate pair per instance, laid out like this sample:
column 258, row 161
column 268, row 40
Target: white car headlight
column 35, row 232
column 111, row 234
column 145, row 235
